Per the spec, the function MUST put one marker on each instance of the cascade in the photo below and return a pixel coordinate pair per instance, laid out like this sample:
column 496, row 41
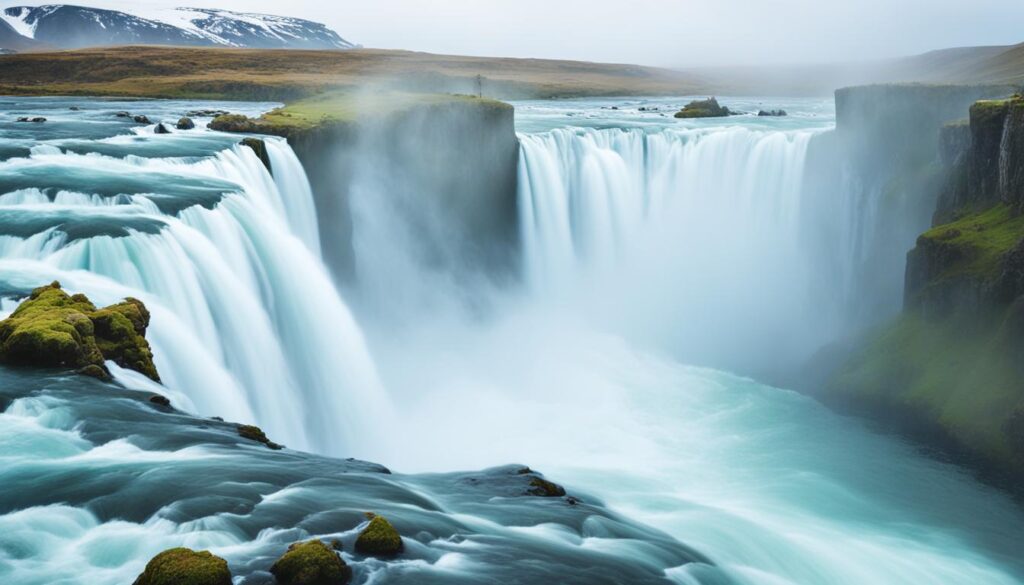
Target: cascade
column 246, row 322
column 718, row 217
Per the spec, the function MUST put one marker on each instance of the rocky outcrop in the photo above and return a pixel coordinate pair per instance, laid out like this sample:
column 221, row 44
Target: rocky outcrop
column 54, row 329
column 311, row 563
column 379, row 538
column 183, row 566
column 454, row 160
column 254, row 433
column 709, row 108
column 260, row 148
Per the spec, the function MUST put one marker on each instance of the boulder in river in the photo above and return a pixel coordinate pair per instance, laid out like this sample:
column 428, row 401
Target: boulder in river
column 379, row 538
column 141, row 119
column 54, row 329
column 183, row 566
column 709, row 108
column 185, row 123
column 161, row 129
column 311, row 563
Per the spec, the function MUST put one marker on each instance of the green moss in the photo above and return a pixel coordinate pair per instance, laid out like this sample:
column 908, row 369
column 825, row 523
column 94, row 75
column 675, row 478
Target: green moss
column 311, row 563
column 182, row 566
column 379, row 538
column 54, row 329
column 978, row 241
column 957, row 374
column 340, row 107
column 254, row 433
column 708, row 108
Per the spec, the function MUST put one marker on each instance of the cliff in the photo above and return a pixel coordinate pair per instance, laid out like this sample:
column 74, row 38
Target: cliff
column 443, row 165
column 950, row 368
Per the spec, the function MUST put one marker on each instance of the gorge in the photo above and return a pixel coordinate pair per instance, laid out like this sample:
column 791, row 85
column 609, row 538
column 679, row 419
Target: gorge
column 465, row 284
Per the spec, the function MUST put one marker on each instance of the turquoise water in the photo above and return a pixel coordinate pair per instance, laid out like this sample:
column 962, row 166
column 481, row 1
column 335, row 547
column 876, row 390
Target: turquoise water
column 581, row 369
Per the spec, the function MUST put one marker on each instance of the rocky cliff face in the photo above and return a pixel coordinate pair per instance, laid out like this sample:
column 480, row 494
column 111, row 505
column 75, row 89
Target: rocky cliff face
column 448, row 171
column 950, row 368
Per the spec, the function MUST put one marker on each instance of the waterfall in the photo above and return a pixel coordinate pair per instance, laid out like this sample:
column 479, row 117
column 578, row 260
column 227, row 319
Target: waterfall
column 246, row 322
column 717, row 217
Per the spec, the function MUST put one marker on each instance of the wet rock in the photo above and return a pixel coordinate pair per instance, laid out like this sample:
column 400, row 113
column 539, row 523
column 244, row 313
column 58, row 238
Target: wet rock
column 185, row 123
column 141, row 120
column 74, row 108
column 161, row 129
column 311, row 563
column 254, row 433
column 54, row 329
column 94, row 371
column 379, row 538
column 233, row 123
column 123, row 114
column 206, row 113
column 260, row 148
column 771, row 113
column 708, row 108
column 183, row 566
column 37, row 119
column 544, row 488
column 159, row 400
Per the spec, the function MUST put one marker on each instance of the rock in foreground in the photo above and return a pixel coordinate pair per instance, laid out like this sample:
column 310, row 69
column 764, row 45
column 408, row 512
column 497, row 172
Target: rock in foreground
column 54, row 329
column 183, row 566
column 379, row 538
column 311, row 563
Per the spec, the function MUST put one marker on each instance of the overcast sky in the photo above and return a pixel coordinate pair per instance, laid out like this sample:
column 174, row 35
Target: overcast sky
column 673, row 33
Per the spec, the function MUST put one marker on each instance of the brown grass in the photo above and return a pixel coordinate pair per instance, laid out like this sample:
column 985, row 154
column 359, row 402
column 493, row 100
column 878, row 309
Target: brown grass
column 289, row 75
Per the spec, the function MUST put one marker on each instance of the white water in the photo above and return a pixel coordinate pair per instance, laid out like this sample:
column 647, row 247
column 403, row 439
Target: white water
column 247, row 324
column 640, row 248
column 648, row 235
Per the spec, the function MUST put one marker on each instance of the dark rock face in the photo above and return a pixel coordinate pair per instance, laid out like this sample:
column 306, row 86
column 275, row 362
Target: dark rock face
column 182, row 566
column 161, row 129
column 960, row 339
column 260, row 148
column 419, row 148
column 311, row 563
column 54, row 329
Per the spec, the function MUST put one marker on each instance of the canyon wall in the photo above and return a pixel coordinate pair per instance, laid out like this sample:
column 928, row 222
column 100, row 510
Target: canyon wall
column 950, row 367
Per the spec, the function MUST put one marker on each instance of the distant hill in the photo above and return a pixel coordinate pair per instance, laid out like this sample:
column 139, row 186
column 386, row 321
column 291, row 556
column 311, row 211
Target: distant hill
column 961, row 65
column 66, row 26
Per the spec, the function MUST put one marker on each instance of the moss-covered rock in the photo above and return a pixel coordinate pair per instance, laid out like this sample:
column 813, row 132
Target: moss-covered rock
column 183, row 566
column 311, row 563
column 185, row 123
column 379, row 538
column 254, row 433
column 54, row 329
column 709, row 108
column 233, row 123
